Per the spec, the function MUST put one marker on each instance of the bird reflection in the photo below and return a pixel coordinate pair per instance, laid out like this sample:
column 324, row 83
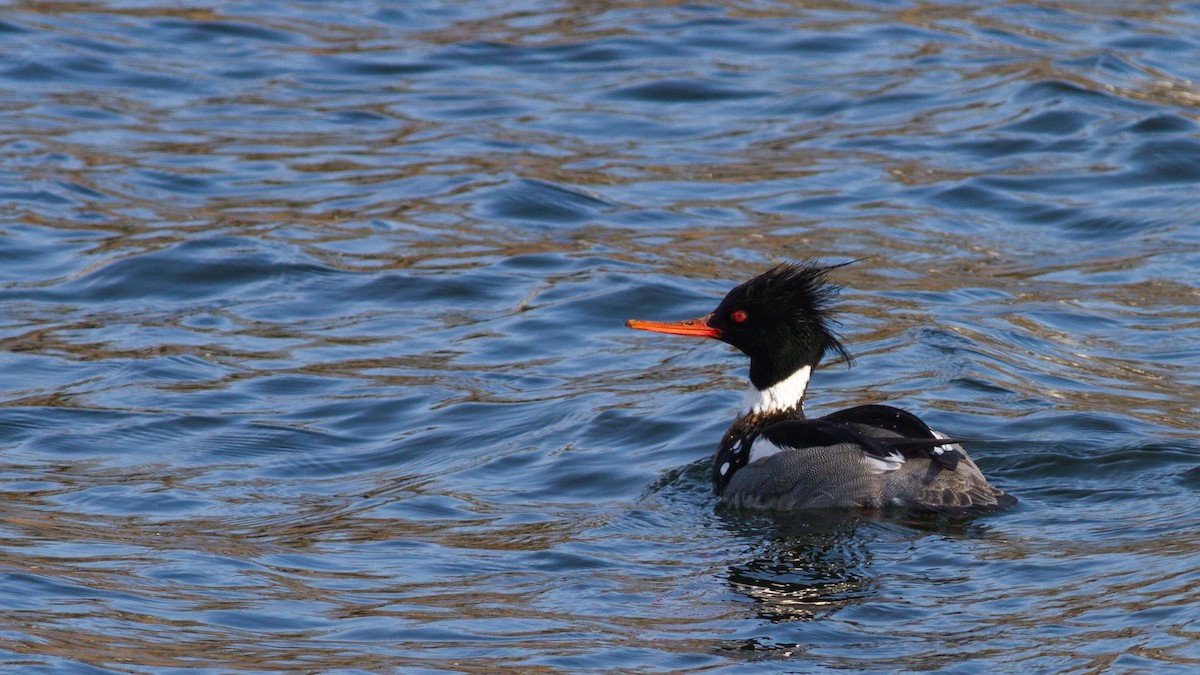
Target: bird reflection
column 805, row 568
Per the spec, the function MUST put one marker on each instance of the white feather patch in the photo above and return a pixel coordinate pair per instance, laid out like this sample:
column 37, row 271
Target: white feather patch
column 786, row 394
column 763, row 448
column 941, row 449
column 884, row 464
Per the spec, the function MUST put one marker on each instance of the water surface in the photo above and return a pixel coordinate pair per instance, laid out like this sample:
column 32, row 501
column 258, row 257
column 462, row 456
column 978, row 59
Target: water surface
column 312, row 357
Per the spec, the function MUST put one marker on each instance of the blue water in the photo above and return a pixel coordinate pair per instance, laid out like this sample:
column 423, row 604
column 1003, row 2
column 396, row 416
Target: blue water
column 312, row 356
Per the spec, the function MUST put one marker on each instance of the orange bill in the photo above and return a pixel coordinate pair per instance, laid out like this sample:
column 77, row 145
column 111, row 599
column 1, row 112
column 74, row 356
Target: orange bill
column 692, row 327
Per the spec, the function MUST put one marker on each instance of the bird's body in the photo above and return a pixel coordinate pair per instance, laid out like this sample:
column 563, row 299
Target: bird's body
column 772, row 456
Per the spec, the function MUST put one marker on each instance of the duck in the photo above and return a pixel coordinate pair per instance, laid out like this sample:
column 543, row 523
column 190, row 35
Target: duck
column 871, row 457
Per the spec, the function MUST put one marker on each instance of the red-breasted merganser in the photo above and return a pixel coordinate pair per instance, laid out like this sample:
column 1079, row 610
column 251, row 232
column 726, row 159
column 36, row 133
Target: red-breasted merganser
column 869, row 456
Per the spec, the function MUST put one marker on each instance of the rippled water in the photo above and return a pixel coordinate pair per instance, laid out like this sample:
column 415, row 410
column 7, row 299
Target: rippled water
column 312, row 347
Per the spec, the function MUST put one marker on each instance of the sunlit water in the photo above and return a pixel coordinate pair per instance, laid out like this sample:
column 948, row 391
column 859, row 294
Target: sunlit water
column 312, row 357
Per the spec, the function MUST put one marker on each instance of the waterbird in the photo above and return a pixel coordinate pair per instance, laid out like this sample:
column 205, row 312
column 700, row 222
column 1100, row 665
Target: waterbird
column 873, row 457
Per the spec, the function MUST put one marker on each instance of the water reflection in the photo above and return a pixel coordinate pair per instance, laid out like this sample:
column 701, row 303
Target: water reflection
column 810, row 565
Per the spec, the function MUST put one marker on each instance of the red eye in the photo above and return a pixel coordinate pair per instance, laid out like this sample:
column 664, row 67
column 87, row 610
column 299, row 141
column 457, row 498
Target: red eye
column 738, row 315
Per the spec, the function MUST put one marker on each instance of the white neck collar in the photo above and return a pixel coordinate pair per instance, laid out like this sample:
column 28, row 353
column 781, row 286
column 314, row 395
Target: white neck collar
column 787, row 394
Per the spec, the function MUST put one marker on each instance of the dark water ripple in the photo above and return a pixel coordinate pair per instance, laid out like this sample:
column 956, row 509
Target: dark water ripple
column 312, row 356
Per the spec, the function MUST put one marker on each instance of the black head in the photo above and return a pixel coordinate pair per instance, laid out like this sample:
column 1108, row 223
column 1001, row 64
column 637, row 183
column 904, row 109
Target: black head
column 780, row 319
